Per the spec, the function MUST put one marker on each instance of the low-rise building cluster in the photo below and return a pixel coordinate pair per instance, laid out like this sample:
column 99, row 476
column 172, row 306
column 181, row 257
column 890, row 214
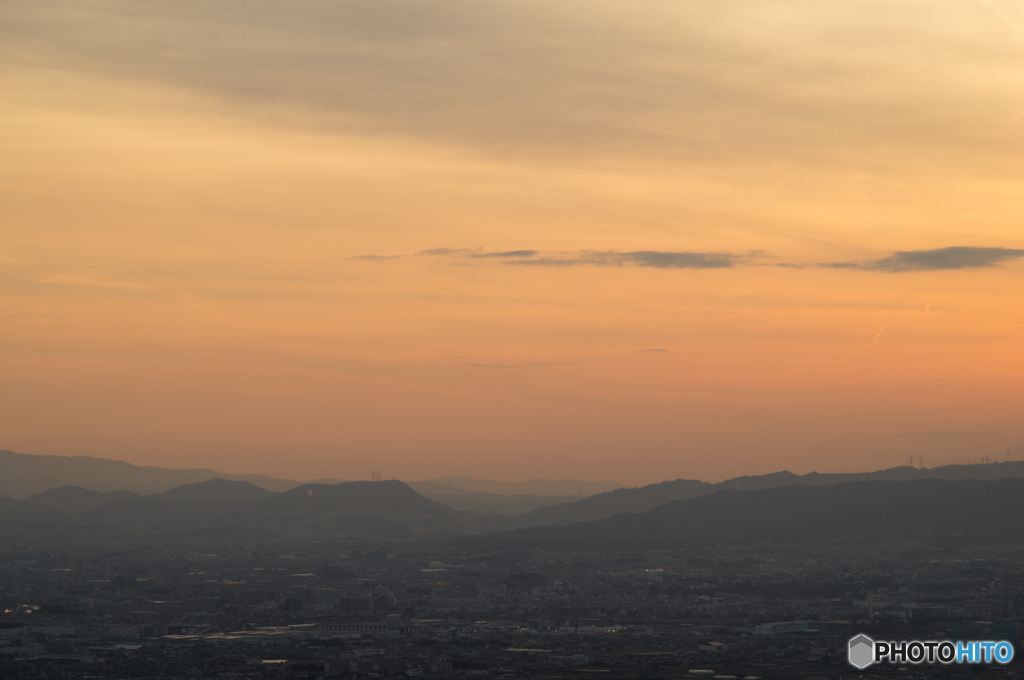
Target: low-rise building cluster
column 326, row 610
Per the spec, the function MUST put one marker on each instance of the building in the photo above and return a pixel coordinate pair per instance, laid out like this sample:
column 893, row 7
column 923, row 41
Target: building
column 712, row 646
column 784, row 627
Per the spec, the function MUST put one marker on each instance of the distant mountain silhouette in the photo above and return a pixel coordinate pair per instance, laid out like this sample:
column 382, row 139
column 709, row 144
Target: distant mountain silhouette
column 436, row 489
column 157, row 512
column 491, row 503
column 76, row 498
column 362, row 510
column 216, row 490
column 981, row 510
column 67, row 500
column 211, row 503
column 495, row 503
column 311, row 500
column 217, row 499
column 646, row 498
column 23, row 475
column 347, row 509
column 533, row 487
column 616, row 502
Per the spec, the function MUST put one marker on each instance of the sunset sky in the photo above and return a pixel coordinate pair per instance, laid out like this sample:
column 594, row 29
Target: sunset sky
column 603, row 240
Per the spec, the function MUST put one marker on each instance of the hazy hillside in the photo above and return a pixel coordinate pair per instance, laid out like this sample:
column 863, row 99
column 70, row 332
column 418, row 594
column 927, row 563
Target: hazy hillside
column 533, row 487
column 155, row 513
column 616, row 502
column 532, row 503
column 23, row 475
column 496, row 503
column 216, row 490
column 991, row 472
column 499, row 502
column 66, row 501
column 644, row 498
column 314, row 499
column 980, row 510
column 362, row 510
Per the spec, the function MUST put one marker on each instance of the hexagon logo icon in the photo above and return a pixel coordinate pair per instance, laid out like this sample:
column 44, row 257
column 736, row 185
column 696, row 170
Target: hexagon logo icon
column 861, row 651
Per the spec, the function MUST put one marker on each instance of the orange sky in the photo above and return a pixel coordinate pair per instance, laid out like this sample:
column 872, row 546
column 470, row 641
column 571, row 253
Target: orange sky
column 603, row 240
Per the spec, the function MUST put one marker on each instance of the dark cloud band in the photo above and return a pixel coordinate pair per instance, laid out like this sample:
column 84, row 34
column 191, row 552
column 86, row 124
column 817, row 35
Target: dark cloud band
column 638, row 258
column 508, row 254
column 937, row 259
column 953, row 257
column 375, row 258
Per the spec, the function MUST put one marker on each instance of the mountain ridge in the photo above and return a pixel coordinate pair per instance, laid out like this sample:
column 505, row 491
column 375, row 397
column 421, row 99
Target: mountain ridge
column 644, row 498
column 354, row 509
column 532, row 487
column 980, row 509
column 25, row 475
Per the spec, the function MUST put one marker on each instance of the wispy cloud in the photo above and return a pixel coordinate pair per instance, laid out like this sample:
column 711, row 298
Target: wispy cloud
column 447, row 251
column 953, row 257
column 375, row 258
column 936, row 259
column 658, row 259
column 507, row 254
column 671, row 260
column 947, row 434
